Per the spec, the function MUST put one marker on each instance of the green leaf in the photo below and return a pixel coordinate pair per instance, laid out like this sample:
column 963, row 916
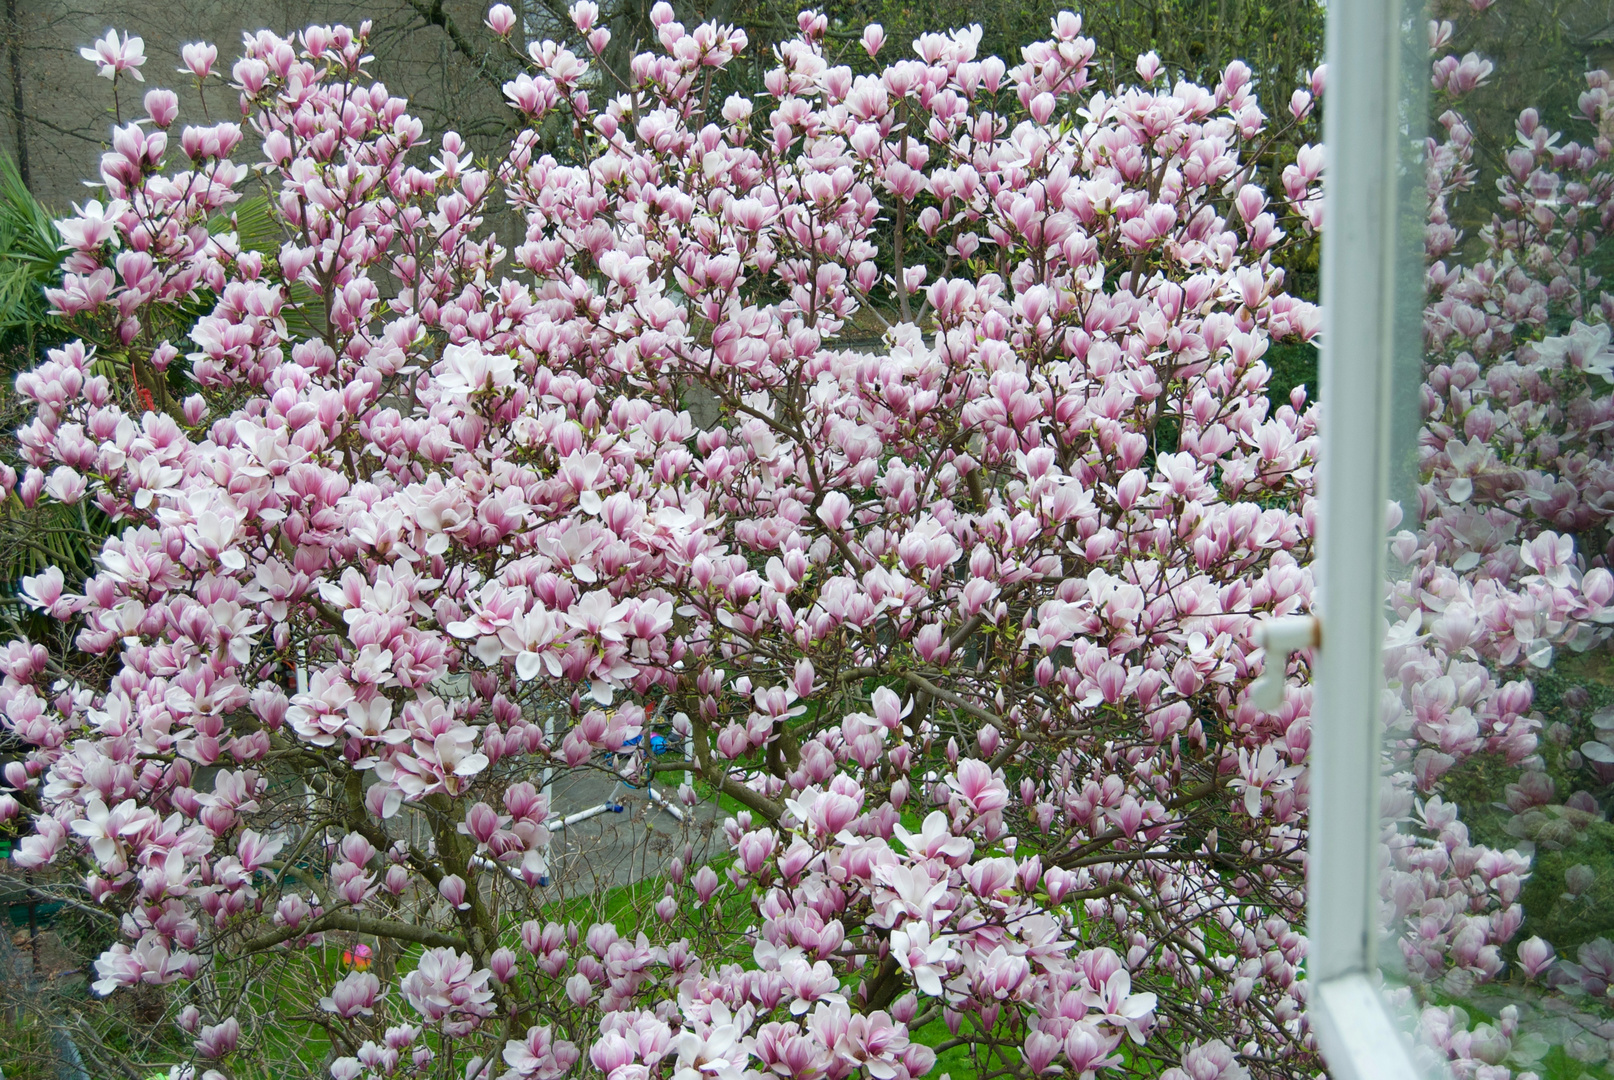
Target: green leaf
column 30, row 258
column 256, row 223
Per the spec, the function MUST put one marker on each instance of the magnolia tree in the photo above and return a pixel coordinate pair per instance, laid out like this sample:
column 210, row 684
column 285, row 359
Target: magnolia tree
column 959, row 629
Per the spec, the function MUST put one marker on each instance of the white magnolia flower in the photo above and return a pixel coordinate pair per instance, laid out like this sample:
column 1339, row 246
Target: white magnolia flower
column 921, row 956
column 1584, row 347
column 465, row 369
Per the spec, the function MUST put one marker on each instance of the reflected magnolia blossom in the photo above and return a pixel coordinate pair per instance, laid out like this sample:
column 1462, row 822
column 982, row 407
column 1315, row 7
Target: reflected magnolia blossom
column 1497, row 769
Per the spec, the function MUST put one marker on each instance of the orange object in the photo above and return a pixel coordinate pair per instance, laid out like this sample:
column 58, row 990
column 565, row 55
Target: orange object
column 357, row 958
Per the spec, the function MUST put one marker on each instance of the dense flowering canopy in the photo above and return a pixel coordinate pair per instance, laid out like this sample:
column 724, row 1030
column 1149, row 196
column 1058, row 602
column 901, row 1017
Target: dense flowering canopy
column 962, row 624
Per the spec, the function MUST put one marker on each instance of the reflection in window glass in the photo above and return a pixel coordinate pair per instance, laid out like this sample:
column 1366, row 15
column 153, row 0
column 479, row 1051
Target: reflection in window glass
column 1498, row 884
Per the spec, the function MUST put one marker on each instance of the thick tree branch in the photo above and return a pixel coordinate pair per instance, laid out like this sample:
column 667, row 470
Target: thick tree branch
column 919, row 681
column 432, row 11
column 358, row 924
column 718, row 777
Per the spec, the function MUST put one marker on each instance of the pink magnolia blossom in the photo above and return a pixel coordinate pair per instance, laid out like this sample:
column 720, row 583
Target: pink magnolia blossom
column 501, row 19
column 112, row 56
column 199, row 58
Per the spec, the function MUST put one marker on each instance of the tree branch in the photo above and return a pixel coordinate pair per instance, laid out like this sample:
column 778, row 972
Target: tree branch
column 358, row 924
column 719, row 778
column 434, row 15
column 952, row 699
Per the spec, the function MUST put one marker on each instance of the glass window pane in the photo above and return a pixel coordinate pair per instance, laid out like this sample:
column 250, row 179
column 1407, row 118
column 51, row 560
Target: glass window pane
column 1497, row 883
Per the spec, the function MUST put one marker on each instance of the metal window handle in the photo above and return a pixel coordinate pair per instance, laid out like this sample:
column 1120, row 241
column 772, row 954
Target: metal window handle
column 1280, row 637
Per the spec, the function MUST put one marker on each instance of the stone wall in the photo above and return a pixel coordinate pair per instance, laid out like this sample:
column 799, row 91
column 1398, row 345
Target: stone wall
column 67, row 110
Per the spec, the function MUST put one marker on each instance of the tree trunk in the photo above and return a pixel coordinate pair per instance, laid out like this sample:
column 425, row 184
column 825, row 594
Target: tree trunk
column 14, row 56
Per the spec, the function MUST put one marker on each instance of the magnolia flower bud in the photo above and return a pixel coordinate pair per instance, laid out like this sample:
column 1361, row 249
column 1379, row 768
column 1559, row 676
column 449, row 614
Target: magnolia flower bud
column 162, row 106
column 1535, row 956
column 706, row 883
column 501, row 19
column 452, row 889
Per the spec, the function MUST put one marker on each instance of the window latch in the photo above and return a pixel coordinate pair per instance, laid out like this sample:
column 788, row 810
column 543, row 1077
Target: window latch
column 1280, row 637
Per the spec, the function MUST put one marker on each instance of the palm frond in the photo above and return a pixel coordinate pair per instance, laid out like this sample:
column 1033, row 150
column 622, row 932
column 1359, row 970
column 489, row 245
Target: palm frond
column 48, row 535
column 258, row 228
column 25, row 219
column 30, row 258
column 254, row 223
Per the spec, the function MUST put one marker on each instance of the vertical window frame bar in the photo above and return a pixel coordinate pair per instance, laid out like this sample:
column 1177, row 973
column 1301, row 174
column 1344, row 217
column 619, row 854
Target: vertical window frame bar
column 1358, row 1036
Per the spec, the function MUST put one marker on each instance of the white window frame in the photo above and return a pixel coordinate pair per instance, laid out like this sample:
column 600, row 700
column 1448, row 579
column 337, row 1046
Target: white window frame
column 1359, row 1037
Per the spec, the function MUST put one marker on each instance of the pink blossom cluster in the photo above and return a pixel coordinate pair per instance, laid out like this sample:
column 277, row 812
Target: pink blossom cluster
column 965, row 623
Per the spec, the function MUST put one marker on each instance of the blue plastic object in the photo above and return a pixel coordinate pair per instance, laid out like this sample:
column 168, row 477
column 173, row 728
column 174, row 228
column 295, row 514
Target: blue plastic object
column 658, row 743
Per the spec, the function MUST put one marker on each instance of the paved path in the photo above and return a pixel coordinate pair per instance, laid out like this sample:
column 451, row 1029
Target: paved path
column 613, row 849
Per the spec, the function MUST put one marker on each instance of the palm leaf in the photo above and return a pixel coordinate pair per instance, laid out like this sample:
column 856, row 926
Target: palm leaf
column 257, row 227
column 254, row 223
column 30, row 258
column 25, row 219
